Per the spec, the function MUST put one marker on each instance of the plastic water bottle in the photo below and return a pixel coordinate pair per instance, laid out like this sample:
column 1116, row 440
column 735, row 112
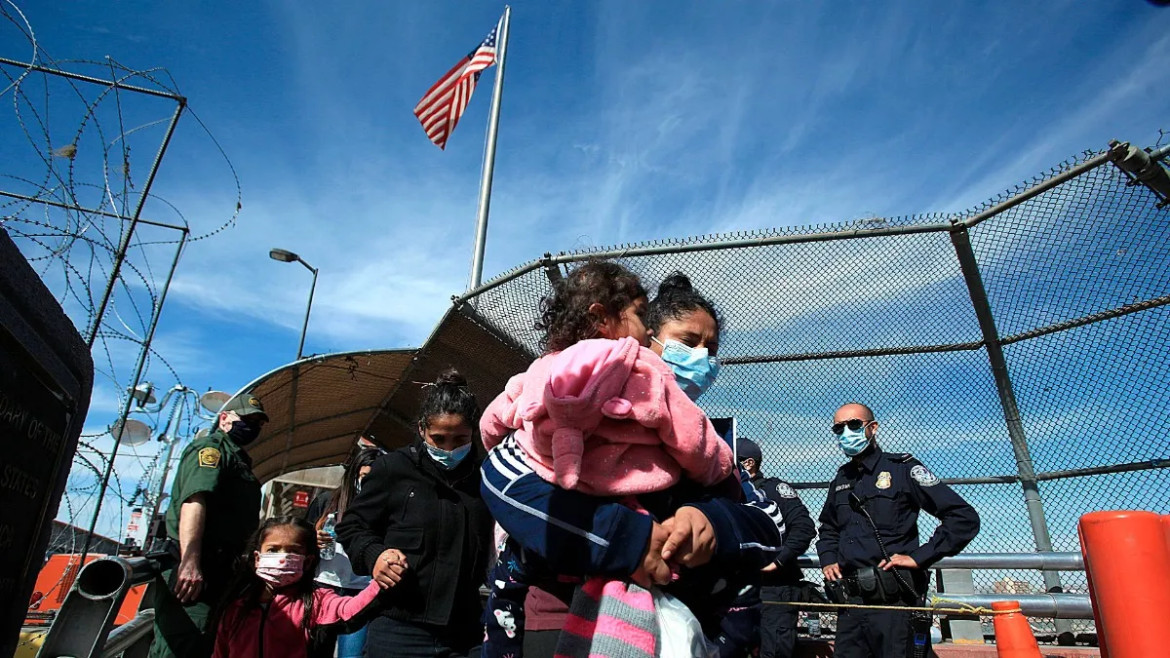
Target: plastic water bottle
column 330, row 529
column 814, row 624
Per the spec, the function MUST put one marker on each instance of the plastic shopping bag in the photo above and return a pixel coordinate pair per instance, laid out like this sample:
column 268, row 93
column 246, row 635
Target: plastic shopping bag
column 679, row 632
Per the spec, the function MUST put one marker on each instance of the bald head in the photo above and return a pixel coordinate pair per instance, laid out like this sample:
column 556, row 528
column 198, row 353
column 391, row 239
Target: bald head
column 853, row 410
column 856, row 429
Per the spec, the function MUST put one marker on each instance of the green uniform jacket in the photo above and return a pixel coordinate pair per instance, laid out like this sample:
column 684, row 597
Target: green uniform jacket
column 216, row 466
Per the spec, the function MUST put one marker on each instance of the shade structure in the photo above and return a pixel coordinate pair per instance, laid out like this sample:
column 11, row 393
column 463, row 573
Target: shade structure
column 319, row 406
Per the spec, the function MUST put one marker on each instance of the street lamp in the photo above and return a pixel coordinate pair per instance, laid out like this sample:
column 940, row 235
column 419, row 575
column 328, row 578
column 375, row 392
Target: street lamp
column 285, row 256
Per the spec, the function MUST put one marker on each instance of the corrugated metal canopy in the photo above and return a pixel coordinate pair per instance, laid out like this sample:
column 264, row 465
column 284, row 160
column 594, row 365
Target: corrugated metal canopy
column 318, row 407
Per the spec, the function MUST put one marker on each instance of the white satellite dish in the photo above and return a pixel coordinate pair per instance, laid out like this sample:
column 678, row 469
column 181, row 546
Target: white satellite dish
column 143, row 394
column 135, row 434
column 213, row 401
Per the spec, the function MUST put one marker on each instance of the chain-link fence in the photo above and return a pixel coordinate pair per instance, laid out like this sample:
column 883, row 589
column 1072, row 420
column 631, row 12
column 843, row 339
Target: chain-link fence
column 1050, row 299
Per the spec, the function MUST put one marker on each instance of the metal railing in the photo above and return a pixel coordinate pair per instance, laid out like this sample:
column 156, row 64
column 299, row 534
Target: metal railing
column 954, row 573
column 83, row 627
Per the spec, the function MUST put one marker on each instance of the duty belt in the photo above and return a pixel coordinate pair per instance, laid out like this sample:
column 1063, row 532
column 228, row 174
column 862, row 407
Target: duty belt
column 877, row 586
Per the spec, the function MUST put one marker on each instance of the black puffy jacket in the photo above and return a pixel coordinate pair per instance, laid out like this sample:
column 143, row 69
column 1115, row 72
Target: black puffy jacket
column 438, row 520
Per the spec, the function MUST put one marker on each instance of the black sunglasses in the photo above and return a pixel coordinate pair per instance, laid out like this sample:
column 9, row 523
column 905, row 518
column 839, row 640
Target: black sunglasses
column 854, row 425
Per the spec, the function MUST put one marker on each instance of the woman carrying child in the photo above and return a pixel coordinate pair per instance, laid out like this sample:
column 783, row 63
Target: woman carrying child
column 602, row 465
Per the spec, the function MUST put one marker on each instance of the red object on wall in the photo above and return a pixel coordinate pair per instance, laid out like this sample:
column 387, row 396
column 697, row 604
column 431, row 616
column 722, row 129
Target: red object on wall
column 56, row 579
column 301, row 499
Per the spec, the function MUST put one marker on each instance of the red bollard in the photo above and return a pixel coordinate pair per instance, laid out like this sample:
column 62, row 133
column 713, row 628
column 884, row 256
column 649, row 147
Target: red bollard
column 1127, row 559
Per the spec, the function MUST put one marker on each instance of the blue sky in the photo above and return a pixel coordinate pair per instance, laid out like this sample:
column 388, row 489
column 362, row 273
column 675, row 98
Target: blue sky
column 621, row 122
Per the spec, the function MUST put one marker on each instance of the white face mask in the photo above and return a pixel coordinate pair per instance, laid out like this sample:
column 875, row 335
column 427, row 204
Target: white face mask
column 280, row 569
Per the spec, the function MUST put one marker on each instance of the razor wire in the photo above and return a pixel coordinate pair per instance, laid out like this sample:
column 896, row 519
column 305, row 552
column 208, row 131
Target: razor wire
column 81, row 139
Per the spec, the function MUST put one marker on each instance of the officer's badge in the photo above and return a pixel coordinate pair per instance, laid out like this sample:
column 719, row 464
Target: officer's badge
column 209, row 458
column 923, row 476
column 254, row 402
column 883, row 480
column 785, row 490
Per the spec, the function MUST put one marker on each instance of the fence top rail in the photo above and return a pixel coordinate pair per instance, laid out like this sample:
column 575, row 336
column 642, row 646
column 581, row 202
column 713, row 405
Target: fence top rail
column 1066, row 561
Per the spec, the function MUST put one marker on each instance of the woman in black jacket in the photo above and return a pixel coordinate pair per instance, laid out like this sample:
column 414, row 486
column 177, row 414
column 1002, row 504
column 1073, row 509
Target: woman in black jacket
column 420, row 527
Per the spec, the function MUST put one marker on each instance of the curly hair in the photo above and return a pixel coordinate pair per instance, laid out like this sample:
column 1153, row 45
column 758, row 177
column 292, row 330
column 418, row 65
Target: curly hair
column 676, row 299
column 564, row 315
column 449, row 395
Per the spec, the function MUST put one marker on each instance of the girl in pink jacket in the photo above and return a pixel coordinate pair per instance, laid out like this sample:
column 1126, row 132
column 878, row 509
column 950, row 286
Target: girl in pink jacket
column 275, row 604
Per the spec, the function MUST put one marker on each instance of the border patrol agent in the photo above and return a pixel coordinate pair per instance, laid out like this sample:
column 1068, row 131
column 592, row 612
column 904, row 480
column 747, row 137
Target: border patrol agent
column 215, row 508
column 780, row 581
column 869, row 546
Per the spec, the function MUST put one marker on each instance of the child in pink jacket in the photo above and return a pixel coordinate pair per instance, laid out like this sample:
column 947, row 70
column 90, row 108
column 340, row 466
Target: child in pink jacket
column 276, row 604
column 599, row 413
column 607, row 418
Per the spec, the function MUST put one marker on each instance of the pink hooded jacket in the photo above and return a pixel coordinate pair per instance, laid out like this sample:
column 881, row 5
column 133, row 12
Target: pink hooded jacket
column 606, row 417
column 239, row 632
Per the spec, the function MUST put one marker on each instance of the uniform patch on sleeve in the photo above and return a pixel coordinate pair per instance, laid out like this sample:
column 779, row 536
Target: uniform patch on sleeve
column 209, row 458
column 923, row 476
column 785, row 490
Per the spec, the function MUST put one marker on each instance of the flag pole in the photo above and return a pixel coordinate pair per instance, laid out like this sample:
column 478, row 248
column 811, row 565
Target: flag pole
column 489, row 156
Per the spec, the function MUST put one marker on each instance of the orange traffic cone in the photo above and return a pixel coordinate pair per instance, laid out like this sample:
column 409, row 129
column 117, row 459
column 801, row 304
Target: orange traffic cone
column 1013, row 636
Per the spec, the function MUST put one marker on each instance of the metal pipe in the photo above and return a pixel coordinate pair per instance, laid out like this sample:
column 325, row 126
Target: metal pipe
column 1102, row 470
column 120, row 254
column 1065, row 561
column 1038, row 189
column 97, row 81
column 124, row 637
column 308, row 309
column 1049, row 606
column 1088, row 319
column 171, row 430
column 162, row 298
column 489, row 154
column 87, row 211
column 961, row 240
column 718, row 245
column 1131, row 467
column 852, row 354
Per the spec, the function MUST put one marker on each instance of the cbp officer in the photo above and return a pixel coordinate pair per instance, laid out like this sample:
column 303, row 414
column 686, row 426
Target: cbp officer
column 869, row 540
column 215, row 507
column 780, row 581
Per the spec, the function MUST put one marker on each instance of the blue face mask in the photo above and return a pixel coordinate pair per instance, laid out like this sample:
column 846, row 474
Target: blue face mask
column 853, row 443
column 447, row 459
column 694, row 368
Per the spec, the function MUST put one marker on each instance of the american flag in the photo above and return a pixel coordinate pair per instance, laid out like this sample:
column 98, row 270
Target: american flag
column 443, row 104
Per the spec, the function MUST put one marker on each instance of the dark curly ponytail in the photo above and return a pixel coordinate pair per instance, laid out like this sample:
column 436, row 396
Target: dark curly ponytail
column 676, row 299
column 449, row 395
column 564, row 315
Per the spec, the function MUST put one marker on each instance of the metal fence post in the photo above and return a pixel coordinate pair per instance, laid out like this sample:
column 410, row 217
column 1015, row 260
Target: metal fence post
column 961, row 240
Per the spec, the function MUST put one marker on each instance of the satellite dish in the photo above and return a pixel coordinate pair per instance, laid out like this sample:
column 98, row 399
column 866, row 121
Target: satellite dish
column 135, row 434
column 213, row 401
column 143, row 394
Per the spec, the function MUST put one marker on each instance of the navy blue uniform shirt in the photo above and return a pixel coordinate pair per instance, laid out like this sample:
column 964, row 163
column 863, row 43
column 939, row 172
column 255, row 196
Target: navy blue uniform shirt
column 894, row 486
column 799, row 529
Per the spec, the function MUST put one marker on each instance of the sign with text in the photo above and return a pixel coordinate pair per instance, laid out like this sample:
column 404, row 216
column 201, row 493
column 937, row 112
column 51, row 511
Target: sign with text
column 46, row 374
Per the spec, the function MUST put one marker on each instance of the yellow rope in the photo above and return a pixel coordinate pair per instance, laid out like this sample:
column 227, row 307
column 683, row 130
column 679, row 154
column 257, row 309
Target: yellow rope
column 962, row 609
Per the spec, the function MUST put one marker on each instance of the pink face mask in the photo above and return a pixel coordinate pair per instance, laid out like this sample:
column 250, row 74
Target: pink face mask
column 280, row 569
